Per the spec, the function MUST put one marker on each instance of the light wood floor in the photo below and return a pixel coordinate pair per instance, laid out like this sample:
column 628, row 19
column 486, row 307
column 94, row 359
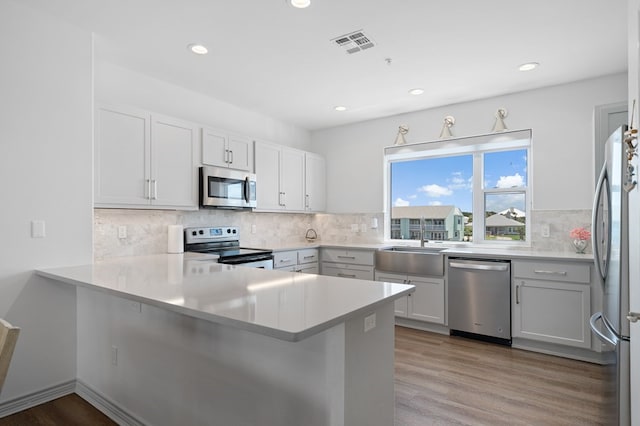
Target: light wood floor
column 441, row 380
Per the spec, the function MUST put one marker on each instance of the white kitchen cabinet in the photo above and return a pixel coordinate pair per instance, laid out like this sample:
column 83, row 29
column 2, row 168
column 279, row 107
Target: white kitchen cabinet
column 144, row 160
column 426, row 303
column 223, row 149
column 551, row 302
column 280, row 178
column 347, row 263
column 315, row 183
column 305, row 261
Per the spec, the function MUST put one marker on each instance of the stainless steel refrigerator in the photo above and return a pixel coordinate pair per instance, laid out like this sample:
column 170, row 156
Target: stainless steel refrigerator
column 610, row 234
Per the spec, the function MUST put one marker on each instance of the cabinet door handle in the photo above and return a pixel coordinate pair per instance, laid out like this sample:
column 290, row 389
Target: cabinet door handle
column 148, row 190
column 517, row 294
column 346, row 275
column 282, row 200
column 541, row 271
column 306, row 200
column 347, row 257
column 230, row 157
column 155, row 189
column 226, row 156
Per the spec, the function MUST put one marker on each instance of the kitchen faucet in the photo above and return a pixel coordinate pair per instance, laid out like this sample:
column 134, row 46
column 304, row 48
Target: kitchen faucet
column 422, row 240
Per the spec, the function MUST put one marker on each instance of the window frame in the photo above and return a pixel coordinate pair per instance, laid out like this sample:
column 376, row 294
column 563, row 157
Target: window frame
column 475, row 146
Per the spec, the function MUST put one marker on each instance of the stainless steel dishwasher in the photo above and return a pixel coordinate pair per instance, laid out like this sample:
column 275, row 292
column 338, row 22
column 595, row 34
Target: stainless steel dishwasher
column 480, row 299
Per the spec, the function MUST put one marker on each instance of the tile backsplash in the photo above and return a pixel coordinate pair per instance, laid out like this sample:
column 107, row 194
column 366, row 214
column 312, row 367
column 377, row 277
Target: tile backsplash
column 146, row 230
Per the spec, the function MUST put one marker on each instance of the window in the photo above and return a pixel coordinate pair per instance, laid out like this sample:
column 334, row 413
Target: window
column 462, row 189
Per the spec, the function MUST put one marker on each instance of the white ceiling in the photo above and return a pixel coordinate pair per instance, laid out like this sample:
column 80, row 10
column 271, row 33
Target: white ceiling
column 268, row 57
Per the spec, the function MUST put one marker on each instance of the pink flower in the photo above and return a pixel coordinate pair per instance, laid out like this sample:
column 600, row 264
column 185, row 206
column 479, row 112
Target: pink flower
column 580, row 234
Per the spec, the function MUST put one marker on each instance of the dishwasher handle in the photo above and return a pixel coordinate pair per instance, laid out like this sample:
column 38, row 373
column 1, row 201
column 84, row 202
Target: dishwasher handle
column 480, row 267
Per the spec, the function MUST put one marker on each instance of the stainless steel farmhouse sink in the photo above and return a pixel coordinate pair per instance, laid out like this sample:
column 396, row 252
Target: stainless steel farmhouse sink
column 411, row 260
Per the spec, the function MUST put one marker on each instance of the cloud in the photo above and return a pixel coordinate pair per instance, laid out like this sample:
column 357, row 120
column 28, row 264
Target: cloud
column 435, row 203
column 514, row 181
column 400, row 203
column 436, row 191
column 412, row 197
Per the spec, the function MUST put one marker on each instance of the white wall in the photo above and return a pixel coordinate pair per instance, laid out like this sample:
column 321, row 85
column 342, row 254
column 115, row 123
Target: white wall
column 119, row 85
column 45, row 173
column 561, row 118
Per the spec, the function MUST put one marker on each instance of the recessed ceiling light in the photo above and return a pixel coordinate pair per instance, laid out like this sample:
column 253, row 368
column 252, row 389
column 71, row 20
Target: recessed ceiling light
column 198, row 49
column 300, row 4
column 340, row 108
column 416, row 91
column 528, row 66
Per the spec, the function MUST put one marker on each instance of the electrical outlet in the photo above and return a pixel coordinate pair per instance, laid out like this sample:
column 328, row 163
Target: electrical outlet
column 545, row 231
column 253, row 229
column 354, row 227
column 38, row 229
column 114, row 355
column 369, row 322
column 363, row 227
column 122, row 231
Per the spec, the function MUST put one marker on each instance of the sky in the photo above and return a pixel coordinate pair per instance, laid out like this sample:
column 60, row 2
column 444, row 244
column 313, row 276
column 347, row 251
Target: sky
column 448, row 180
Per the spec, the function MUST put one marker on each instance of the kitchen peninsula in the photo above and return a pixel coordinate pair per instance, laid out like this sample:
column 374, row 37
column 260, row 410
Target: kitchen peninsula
column 168, row 339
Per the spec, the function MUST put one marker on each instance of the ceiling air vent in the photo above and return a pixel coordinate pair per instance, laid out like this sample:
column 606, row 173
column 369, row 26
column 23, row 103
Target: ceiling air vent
column 354, row 42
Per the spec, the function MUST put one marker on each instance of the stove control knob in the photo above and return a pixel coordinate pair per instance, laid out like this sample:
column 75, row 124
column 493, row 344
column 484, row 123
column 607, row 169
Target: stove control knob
column 201, row 232
column 194, row 233
column 235, row 230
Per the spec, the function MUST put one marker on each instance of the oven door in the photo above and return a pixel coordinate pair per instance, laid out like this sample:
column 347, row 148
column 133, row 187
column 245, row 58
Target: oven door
column 225, row 188
column 261, row 264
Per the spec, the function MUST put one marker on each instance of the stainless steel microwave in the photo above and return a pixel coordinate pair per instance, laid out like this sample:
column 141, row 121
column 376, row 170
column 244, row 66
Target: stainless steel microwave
column 225, row 188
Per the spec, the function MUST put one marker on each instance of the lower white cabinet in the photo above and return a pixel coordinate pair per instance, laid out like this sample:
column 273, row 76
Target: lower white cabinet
column 426, row 303
column 305, row 261
column 551, row 302
column 348, row 263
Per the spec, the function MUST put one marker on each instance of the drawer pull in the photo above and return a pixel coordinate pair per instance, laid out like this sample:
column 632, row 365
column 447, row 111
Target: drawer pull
column 517, row 294
column 346, row 275
column 285, row 260
column 347, row 257
column 309, row 257
column 540, row 271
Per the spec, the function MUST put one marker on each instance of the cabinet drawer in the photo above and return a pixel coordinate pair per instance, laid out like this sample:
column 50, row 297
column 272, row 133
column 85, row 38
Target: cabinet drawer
column 347, row 271
column 356, row 257
column 553, row 271
column 308, row 268
column 307, row 256
column 285, row 258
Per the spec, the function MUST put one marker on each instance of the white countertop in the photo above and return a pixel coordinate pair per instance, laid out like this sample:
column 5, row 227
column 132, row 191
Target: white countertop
column 466, row 250
column 284, row 305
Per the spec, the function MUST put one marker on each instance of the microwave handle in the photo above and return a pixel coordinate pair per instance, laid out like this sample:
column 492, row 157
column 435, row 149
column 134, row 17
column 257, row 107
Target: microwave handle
column 247, row 189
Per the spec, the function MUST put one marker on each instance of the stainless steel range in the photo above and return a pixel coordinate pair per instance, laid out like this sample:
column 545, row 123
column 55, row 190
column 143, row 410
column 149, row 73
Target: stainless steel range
column 225, row 242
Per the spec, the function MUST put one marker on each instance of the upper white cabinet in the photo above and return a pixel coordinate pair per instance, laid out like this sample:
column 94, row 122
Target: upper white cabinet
column 226, row 150
column 315, row 183
column 280, row 174
column 144, row 160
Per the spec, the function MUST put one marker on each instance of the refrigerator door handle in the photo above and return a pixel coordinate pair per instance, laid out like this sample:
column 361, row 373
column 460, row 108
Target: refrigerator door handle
column 594, row 217
column 592, row 322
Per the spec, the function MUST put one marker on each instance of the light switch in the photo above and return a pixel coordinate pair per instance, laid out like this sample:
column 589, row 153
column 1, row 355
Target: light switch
column 122, row 231
column 38, row 229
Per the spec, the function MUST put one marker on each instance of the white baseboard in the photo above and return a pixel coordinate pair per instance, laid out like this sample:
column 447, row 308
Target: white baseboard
column 30, row 400
column 108, row 407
